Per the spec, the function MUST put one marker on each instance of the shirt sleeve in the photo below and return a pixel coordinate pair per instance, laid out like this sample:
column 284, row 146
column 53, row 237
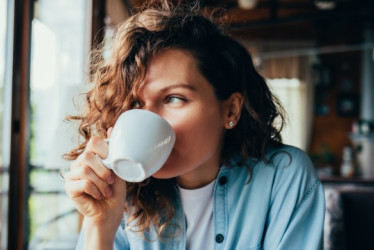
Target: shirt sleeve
column 296, row 215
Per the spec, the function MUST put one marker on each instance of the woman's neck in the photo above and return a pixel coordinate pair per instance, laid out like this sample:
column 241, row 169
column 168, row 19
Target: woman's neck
column 198, row 178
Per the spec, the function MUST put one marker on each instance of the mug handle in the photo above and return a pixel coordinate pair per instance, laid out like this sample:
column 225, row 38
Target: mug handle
column 108, row 164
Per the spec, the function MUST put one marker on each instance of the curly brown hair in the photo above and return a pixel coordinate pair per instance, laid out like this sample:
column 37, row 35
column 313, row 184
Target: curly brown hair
column 225, row 63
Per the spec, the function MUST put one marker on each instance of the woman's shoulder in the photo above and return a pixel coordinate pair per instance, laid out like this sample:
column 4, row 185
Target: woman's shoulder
column 288, row 156
column 277, row 153
column 278, row 158
column 293, row 169
column 286, row 172
column 283, row 163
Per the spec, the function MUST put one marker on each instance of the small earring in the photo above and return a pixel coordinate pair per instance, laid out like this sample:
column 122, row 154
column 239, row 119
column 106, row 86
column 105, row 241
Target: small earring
column 231, row 123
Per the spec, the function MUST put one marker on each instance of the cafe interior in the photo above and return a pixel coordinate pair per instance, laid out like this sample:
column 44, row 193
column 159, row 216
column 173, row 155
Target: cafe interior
column 316, row 55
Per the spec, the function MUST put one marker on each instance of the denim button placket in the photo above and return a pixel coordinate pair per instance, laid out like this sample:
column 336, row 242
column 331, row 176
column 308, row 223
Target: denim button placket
column 222, row 180
column 219, row 238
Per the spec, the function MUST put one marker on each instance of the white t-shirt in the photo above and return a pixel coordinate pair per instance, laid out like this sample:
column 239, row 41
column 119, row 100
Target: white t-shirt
column 198, row 208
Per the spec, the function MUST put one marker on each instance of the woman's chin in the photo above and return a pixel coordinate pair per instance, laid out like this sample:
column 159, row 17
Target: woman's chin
column 162, row 175
column 165, row 172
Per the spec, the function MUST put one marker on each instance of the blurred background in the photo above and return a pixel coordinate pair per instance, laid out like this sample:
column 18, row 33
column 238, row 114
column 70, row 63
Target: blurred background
column 317, row 56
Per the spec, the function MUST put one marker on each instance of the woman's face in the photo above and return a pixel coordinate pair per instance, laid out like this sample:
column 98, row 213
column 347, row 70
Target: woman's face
column 176, row 90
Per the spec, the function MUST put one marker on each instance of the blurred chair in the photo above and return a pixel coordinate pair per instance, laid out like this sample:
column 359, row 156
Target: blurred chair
column 349, row 219
column 358, row 210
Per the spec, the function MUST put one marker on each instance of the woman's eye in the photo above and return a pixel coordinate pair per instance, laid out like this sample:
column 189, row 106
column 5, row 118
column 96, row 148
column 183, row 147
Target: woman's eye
column 135, row 105
column 174, row 99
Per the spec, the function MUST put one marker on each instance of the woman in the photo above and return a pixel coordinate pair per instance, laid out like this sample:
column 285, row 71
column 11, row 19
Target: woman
column 229, row 182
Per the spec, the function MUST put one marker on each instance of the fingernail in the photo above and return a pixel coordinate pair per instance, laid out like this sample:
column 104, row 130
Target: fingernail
column 108, row 192
column 110, row 179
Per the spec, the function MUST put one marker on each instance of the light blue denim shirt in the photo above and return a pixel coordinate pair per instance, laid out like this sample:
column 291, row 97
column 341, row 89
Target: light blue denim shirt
column 281, row 207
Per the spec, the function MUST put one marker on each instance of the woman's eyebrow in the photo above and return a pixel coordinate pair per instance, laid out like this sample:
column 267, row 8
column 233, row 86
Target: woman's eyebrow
column 178, row 85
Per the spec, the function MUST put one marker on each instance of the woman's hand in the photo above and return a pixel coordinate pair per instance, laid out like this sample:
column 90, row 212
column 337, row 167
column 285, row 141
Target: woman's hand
column 99, row 195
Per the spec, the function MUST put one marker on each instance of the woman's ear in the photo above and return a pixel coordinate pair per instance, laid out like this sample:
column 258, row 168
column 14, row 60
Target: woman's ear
column 232, row 110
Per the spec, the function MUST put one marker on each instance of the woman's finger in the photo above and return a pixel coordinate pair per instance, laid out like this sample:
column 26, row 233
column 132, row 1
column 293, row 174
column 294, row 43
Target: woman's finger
column 98, row 145
column 80, row 188
column 89, row 158
column 95, row 146
column 84, row 172
column 109, row 132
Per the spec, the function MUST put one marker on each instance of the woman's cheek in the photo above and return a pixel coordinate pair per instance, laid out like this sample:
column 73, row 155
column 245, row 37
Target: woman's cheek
column 177, row 126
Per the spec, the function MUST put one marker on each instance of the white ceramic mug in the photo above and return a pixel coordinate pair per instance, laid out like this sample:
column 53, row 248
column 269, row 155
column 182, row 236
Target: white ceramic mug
column 139, row 145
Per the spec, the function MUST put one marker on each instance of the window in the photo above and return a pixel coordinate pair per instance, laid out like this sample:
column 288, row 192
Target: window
column 293, row 95
column 286, row 66
column 58, row 57
column 4, row 119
